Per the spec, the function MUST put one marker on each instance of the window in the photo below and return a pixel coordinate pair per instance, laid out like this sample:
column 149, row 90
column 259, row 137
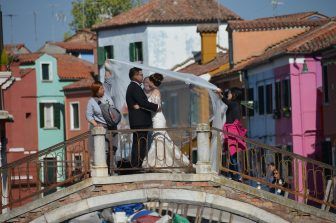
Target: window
column 46, row 74
column 77, row 163
column 261, row 106
column 251, row 98
column 286, row 94
column 109, row 52
column 135, row 51
column 194, row 108
column 50, row 173
column 277, row 96
column 49, row 115
column 243, row 99
column 74, row 115
column 269, row 99
column 325, row 84
column 174, row 109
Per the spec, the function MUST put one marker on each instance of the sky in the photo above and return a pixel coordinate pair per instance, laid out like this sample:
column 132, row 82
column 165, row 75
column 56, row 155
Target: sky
column 52, row 17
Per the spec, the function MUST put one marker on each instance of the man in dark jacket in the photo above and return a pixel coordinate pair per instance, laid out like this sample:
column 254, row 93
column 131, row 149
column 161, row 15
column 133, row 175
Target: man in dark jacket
column 139, row 118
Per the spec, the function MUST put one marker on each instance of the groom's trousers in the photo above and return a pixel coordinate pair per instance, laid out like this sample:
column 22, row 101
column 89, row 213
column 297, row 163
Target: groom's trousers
column 141, row 140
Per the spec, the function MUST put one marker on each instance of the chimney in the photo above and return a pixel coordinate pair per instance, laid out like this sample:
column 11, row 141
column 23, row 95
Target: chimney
column 208, row 41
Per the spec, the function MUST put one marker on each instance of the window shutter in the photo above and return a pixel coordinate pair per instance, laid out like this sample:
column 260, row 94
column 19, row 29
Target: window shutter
column 140, row 57
column 41, row 115
column 101, row 55
column 132, row 52
column 57, row 115
column 261, row 100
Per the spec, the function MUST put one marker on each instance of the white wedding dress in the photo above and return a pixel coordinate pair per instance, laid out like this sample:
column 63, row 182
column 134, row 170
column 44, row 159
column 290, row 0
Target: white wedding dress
column 163, row 152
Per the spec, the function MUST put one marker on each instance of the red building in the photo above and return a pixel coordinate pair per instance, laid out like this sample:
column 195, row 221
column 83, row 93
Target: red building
column 20, row 101
column 76, row 98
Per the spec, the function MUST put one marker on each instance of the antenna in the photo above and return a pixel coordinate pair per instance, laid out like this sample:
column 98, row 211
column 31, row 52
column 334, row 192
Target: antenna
column 52, row 23
column 11, row 19
column 35, row 26
column 275, row 4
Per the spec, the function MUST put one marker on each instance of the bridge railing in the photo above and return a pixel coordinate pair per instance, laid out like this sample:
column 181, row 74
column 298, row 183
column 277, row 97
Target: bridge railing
column 42, row 173
column 168, row 149
column 297, row 177
column 71, row 161
column 68, row 162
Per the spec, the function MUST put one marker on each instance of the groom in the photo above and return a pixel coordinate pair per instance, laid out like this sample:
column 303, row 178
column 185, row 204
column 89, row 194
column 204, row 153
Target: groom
column 139, row 118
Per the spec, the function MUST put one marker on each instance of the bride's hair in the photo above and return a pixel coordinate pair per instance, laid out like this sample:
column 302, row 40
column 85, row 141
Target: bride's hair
column 156, row 79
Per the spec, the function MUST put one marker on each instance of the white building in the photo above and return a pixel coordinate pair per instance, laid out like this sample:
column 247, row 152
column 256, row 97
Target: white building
column 161, row 33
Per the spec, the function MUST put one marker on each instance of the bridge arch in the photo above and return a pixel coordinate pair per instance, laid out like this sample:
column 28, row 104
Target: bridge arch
column 176, row 195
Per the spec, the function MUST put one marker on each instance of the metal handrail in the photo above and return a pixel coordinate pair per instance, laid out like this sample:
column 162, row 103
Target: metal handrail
column 275, row 149
column 306, row 179
column 34, row 162
column 44, row 151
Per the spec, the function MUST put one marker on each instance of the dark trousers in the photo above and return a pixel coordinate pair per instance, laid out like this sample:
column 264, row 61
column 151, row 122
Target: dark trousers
column 234, row 165
column 139, row 147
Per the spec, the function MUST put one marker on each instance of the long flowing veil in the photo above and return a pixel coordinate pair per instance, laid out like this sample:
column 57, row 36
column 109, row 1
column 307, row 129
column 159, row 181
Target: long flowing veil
column 117, row 68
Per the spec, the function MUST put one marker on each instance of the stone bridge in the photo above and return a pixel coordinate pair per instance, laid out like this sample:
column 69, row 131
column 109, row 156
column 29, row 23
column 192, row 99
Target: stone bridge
column 205, row 195
column 218, row 198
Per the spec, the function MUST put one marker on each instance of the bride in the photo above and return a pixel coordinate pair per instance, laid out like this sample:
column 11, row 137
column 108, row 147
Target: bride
column 163, row 152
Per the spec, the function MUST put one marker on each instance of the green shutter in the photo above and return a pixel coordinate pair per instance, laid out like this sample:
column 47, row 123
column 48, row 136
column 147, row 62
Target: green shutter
column 140, row 51
column 57, row 115
column 132, row 52
column 41, row 115
column 101, row 55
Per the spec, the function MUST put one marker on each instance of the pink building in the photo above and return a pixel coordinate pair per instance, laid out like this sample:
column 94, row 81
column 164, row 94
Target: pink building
column 286, row 83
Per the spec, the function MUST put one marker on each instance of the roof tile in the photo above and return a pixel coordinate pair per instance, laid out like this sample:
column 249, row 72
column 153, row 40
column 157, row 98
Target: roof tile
column 171, row 11
column 79, row 85
column 199, row 69
column 76, row 46
column 308, row 42
column 68, row 67
column 249, row 25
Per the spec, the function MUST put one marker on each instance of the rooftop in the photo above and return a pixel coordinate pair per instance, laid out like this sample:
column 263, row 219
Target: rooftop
column 68, row 67
column 171, row 11
column 311, row 41
column 198, row 69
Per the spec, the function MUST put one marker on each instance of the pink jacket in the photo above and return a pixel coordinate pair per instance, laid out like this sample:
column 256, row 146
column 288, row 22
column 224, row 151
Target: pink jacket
column 233, row 143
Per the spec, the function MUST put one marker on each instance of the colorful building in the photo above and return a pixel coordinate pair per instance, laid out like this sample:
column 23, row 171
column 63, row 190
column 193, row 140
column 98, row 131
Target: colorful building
column 76, row 97
column 37, row 99
column 249, row 39
column 285, row 83
column 82, row 44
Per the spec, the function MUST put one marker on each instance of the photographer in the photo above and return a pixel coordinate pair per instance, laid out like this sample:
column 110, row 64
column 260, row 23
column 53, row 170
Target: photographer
column 232, row 144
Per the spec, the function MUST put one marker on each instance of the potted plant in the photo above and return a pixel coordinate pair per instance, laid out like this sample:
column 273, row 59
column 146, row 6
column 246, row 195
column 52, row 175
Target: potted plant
column 3, row 60
column 286, row 111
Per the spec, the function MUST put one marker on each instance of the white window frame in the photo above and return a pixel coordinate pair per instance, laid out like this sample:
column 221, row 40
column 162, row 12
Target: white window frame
column 72, row 127
column 45, row 115
column 50, row 72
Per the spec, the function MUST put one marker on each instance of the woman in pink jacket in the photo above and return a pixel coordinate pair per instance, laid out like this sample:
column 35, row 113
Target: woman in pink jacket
column 232, row 144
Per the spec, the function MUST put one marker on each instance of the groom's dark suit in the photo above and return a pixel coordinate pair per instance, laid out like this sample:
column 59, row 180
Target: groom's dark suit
column 139, row 119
